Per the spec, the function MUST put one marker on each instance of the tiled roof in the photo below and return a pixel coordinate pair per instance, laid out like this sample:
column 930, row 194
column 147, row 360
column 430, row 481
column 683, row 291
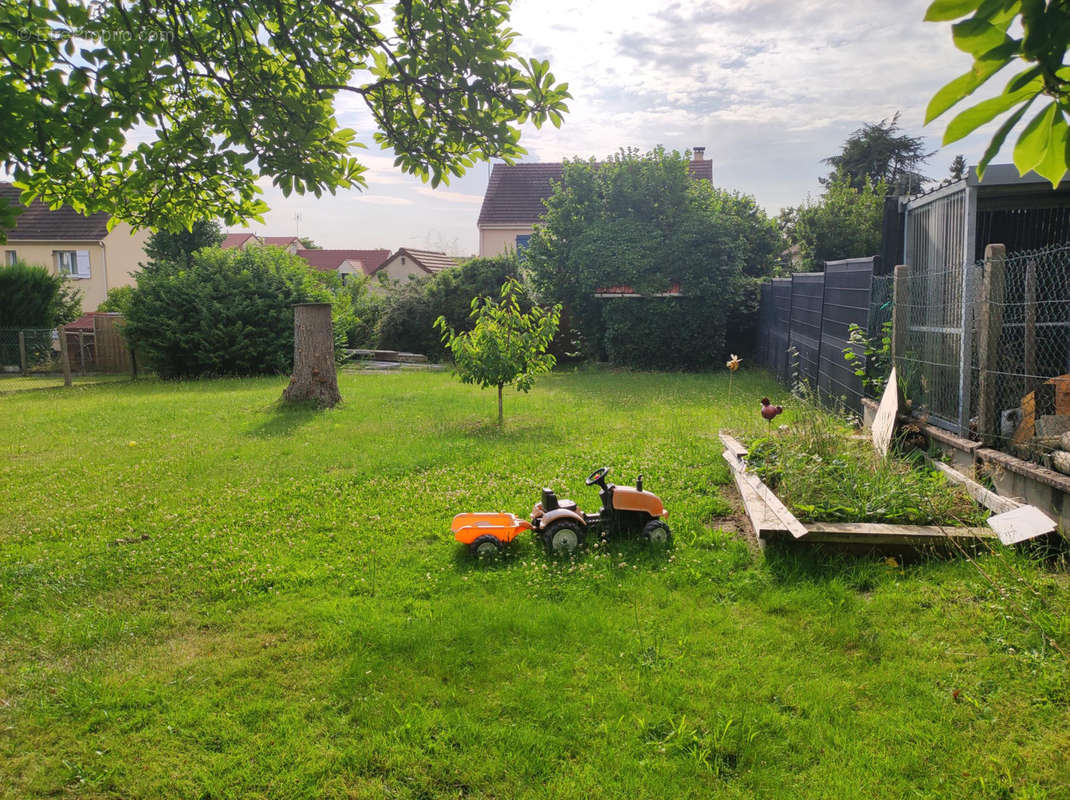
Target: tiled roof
column 327, row 260
column 432, row 261
column 39, row 223
column 515, row 193
column 281, row 241
column 233, row 240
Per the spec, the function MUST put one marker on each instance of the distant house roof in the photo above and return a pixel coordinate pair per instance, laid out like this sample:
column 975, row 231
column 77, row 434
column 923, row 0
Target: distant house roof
column 431, row 261
column 281, row 241
column 39, row 223
column 233, row 240
column 329, row 260
column 516, row 193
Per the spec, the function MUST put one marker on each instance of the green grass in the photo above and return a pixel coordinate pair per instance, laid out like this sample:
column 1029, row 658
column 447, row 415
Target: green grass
column 298, row 622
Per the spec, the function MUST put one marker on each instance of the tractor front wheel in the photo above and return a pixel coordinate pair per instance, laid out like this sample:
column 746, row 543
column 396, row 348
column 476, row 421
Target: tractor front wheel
column 563, row 538
column 485, row 547
column 657, row 532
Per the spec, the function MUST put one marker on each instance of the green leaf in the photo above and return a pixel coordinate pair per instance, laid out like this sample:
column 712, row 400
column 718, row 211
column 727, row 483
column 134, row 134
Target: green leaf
column 944, row 10
column 1053, row 165
column 963, row 86
column 977, row 36
column 999, row 137
column 1033, row 143
column 987, row 110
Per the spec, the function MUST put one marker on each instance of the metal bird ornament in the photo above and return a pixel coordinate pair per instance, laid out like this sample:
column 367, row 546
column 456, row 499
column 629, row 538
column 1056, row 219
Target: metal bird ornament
column 769, row 411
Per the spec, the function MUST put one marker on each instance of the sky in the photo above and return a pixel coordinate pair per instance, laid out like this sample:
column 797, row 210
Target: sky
column 768, row 87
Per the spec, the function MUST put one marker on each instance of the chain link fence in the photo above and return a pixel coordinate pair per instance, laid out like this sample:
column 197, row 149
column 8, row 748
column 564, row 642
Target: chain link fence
column 32, row 358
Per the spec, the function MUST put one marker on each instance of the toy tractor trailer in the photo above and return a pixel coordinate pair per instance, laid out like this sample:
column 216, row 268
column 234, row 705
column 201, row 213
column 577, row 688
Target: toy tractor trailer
column 563, row 528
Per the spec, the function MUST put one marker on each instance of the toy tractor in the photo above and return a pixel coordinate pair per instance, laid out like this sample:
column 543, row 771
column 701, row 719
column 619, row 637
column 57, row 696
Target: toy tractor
column 563, row 528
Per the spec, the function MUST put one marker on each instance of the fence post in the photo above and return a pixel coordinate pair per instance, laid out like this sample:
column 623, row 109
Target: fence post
column 989, row 328
column 900, row 312
column 64, row 357
column 81, row 353
column 22, row 352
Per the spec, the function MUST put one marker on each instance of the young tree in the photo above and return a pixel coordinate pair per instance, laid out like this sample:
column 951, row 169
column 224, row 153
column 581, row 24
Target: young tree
column 179, row 246
column 238, row 89
column 506, row 346
column 880, row 152
column 986, row 34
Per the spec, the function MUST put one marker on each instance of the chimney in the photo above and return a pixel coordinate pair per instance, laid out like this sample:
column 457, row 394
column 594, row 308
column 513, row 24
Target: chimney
column 698, row 153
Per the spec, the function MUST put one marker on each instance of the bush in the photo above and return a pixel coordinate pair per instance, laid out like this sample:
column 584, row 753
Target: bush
column 32, row 297
column 368, row 310
column 117, row 299
column 229, row 313
column 408, row 320
column 662, row 333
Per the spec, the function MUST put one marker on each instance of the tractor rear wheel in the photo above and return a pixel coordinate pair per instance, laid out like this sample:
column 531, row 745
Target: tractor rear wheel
column 485, row 547
column 563, row 538
column 657, row 532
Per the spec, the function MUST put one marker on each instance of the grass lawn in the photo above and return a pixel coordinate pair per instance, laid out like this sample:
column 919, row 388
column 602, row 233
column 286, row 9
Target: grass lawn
column 202, row 596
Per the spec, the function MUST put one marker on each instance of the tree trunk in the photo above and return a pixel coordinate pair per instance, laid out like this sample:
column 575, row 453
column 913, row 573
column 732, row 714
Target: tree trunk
column 314, row 378
column 500, row 403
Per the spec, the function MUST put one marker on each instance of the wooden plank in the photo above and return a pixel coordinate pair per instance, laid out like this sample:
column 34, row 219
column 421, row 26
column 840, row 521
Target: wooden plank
column 1021, row 524
column 771, row 516
column 887, row 412
column 733, row 445
column 905, row 534
column 986, row 497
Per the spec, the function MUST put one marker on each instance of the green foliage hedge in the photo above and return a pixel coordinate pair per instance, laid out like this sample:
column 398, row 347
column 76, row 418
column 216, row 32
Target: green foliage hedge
column 229, row 313
column 662, row 333
column 33, row 297
column 408, row 321
column 642, row 221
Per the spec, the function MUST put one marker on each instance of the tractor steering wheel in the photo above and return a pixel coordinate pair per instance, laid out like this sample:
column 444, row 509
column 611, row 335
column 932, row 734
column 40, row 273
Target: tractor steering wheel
column 597, row 475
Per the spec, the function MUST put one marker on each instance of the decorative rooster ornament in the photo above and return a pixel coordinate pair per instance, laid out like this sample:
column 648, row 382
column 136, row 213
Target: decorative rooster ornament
column 770, row 411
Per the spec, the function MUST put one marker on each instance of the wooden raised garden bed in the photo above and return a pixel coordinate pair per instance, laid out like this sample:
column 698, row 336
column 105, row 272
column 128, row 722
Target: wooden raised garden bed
column 1013, row 521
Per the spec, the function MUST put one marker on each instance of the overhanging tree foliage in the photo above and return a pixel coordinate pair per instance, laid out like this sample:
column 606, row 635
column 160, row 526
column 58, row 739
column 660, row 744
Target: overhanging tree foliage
column 235, row 89
column 986, row 34
column 506, row 346
column 642, row 221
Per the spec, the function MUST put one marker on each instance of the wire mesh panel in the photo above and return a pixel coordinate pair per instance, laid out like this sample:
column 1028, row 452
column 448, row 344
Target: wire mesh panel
column 807, row 296
column 846, row 302
column 28, row 350
column 1028, row 366
column 939, row 251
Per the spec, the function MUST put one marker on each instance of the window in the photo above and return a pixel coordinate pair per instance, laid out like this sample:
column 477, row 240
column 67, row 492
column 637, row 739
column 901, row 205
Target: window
column 72, row 263
column 522, row 241
column 10, row 257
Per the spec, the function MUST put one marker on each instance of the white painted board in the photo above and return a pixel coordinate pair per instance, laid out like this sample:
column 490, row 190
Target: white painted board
column 884, row 422
column 1021, row 524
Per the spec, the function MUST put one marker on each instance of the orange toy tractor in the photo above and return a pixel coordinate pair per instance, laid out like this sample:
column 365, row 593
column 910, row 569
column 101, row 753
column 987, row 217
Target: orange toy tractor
column 563, row 528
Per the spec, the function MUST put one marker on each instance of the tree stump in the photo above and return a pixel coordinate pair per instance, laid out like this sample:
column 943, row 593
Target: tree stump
column 314, row 378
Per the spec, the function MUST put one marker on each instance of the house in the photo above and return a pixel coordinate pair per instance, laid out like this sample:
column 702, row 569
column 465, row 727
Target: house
column 516, row 195
column 240, row 240
column 78, row 247
column 291, row 244
column 345, row 262
column 408, row 263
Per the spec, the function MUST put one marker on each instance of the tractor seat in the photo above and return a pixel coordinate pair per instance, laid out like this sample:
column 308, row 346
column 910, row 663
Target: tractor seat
column 551, row 503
